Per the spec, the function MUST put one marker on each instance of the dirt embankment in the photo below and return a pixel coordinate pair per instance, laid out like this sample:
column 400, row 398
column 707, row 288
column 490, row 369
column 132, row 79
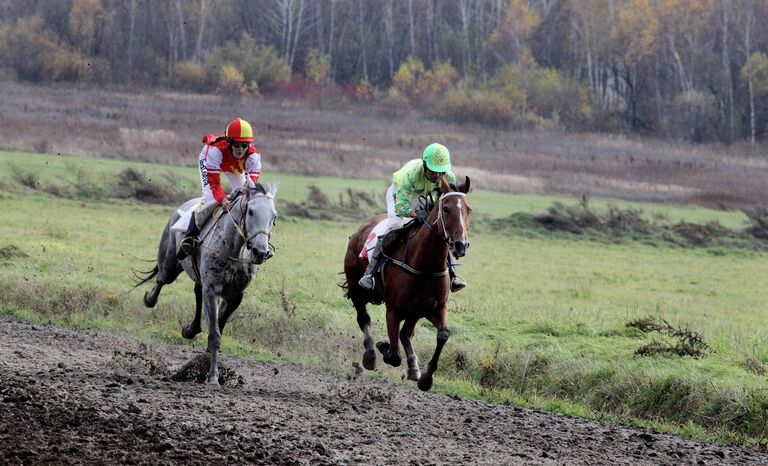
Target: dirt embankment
column 71, row 396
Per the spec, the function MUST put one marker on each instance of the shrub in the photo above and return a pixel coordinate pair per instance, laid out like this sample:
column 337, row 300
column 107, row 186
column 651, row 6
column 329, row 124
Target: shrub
column 231, row 82
column 190, row 76
column 261, row 66
column 407, row 77
column 556, row 97
column 134, row 184
column 486, row 108
column 318, row 67
column 418, row 84
column 694, row 116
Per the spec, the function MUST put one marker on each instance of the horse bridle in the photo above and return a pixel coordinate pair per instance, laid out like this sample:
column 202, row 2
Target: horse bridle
column 431, row 226
column 242, row 230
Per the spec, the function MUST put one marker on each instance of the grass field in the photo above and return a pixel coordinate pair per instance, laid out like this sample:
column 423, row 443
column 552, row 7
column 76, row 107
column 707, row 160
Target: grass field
column 543, row 322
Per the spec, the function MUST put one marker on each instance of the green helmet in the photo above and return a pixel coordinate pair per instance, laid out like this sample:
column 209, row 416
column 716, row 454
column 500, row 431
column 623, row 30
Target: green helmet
column 437, row 157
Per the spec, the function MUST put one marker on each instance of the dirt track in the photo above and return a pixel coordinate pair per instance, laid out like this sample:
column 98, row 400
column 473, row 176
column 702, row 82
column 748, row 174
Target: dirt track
column 71, row 396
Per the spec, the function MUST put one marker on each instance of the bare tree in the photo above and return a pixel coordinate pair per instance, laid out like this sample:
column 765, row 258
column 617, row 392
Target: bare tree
column 204, row 13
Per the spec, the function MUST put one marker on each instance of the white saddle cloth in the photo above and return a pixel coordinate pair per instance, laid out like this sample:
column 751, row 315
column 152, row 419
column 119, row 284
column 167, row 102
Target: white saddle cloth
column 381, row 229
column 180, row 226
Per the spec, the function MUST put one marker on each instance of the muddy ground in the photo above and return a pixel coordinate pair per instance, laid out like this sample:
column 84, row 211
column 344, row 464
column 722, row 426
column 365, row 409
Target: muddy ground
column 70, row 396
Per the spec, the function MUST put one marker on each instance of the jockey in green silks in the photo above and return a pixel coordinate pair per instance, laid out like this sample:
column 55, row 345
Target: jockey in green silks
column 418, row 177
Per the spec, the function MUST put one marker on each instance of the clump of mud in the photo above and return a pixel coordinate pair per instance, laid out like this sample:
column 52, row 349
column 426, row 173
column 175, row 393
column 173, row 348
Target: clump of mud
column 144, row 361
column 196, row 370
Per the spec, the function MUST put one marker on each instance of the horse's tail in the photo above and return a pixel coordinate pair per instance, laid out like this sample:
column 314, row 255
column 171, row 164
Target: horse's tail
column 344, row 286
column 143, row 276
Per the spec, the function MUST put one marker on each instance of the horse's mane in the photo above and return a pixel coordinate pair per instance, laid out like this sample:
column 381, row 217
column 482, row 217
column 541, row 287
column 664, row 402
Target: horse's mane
column 259, row 188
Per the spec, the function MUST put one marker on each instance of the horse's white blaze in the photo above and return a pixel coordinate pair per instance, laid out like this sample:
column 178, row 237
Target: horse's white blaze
column 462, row 222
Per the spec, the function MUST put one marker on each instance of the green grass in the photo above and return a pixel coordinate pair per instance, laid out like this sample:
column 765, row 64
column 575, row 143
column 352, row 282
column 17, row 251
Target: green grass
column 543, row 322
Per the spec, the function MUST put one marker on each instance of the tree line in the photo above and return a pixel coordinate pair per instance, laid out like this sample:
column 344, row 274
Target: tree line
column 685, row 69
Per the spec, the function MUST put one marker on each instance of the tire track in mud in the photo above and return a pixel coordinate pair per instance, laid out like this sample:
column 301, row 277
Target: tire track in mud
column 70, row 396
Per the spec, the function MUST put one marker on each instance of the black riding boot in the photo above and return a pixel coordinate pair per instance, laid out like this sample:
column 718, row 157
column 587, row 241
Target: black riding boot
column 188, row 244
column 367, row 282
column 457, row 283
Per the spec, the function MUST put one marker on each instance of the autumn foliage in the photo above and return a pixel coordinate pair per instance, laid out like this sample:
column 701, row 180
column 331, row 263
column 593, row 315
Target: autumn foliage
column 683, row 69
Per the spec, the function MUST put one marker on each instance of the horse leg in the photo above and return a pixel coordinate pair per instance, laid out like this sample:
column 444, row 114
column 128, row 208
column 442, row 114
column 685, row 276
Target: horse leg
column 364, row 321
column 190, row 331
column 232, row 303
column 214, row 334
column 406, row 333
column 166, row 270
column 439, row 321
column 391, row 350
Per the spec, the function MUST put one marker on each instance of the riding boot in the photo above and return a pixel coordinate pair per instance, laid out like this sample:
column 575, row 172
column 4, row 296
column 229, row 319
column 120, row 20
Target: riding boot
column 188, row 244
column 367, row 282
column 457, row 283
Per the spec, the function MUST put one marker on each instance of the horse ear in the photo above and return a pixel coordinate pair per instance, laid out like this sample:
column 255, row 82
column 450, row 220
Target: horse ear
column 466, row 187
column 274, row 187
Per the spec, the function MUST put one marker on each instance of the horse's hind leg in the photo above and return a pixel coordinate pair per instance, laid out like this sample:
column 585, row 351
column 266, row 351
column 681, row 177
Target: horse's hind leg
column 190, row 331
column 163, row 278
column 166, row 270
column 406, row 333
column 232, row 303
column 364, row 321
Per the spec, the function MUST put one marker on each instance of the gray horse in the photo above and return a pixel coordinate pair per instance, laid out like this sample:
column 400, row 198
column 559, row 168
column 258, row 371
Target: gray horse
column 231, row 249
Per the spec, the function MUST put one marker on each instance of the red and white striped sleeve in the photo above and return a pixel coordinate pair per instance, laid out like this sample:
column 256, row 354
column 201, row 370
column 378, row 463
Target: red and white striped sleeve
column 253, row 166
column 213, row 166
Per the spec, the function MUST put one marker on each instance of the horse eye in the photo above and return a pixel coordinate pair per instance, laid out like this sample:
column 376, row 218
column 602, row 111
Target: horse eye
column 250, row 211
column 445, row 210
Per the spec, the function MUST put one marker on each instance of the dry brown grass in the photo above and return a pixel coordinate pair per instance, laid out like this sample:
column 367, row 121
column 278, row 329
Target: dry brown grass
column 359, row 142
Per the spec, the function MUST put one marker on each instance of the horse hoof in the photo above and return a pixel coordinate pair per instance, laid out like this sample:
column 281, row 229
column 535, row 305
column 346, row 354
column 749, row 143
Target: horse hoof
column 394, row 361
column 149, row 300
column 369, row 360
column 425, row 383
column 189, row 333
column 414, row 374
column 383, row 347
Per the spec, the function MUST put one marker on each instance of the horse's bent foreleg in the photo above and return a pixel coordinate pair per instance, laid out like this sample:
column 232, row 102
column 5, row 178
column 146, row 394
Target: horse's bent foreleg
column 190, row 331
column 214, row 334
column 406, row 334
column 232, row 303
column 364, row 321
column 425, row 382
column 391, row 350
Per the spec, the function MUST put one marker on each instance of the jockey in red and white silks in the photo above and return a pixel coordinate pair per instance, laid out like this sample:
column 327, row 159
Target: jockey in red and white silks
column 217, row 158
column 232, row 154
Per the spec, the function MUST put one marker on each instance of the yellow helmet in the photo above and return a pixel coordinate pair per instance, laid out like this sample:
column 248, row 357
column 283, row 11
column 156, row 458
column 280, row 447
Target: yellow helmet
column 239, row 130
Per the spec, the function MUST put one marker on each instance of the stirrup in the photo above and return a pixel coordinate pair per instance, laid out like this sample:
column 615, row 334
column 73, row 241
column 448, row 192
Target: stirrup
column 367, row 282
column 457, row 284
column 187, row 247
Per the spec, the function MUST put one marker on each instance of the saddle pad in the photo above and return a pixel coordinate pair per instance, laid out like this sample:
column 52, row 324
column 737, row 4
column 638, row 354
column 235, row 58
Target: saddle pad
column 180, row 226
column 386, row 225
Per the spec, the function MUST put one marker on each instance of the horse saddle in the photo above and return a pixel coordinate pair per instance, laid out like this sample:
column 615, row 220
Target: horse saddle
column 395, row 237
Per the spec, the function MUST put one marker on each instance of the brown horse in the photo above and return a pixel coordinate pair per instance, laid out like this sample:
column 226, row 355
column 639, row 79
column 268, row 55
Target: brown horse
column 413, row 282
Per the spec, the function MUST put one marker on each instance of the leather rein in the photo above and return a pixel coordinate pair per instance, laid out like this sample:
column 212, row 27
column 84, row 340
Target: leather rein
column 433, row 228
